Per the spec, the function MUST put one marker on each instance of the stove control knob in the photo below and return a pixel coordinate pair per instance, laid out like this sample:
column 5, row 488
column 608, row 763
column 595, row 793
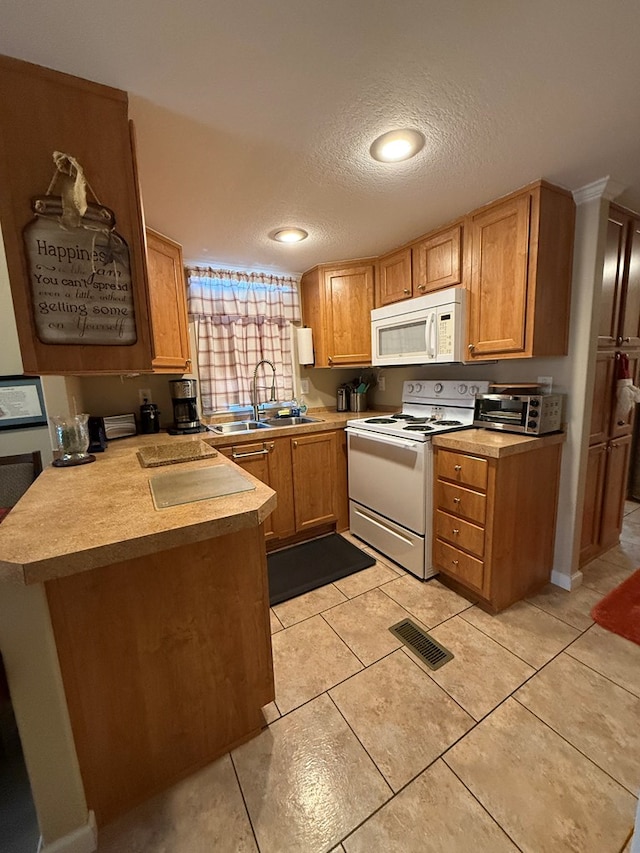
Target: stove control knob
column 418, row 388
column 473, row 389
column 438, row 387
column 462, row 388
column 410, row 387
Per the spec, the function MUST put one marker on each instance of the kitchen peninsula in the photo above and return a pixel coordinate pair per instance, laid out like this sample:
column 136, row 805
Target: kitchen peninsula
column 150, row 628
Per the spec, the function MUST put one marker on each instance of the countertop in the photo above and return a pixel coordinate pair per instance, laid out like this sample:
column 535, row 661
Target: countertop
column 79, row 518
column 494, row 443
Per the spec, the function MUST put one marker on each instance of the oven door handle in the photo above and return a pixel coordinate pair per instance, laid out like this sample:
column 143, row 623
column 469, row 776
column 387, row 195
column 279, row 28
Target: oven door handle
column 384, row 439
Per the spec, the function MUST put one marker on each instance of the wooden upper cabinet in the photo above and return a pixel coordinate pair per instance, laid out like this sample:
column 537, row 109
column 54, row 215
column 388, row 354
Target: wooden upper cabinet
column 167, row 304
column 620, row 295
column 393, row 277
column 437, row 260
column 428, row 264
column 337, row 303
column 612, row 275
column 521, row 252
column 42, row 111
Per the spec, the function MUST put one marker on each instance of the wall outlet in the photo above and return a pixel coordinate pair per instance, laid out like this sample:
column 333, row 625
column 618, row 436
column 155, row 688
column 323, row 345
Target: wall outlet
column 546, row 382
column 382, row 383
column 142, row 393
column 304, row 386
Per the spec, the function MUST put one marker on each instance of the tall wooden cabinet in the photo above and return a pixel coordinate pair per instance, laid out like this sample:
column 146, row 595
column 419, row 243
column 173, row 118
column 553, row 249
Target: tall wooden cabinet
column 167, row 305
column 520, row 259
column 42, row 111
column 337, row 303
column 611, row 432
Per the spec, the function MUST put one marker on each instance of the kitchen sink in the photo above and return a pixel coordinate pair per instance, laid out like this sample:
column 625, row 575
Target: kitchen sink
column 293, row 421
column 238, row 426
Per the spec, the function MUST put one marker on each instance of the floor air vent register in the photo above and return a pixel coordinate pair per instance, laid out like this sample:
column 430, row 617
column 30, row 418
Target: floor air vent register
column 421, row 644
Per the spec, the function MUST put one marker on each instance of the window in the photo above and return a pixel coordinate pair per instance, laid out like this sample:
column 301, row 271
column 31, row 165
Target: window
column 240, row 319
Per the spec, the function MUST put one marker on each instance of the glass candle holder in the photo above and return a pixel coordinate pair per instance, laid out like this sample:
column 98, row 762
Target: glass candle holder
column 72, row 438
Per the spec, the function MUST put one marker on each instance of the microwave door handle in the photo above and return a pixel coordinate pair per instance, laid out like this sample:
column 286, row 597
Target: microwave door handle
column 432, row 336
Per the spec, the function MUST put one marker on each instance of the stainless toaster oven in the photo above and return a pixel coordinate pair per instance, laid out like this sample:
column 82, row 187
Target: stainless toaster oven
column 531, row 414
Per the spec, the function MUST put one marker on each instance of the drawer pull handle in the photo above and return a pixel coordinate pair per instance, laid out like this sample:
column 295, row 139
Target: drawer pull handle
column 456, row 500
column 455, row 562
column 457, row 467
column 455, row 531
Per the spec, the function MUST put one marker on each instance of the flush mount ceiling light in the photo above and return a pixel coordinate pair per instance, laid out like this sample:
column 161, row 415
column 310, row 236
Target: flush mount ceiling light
column 396, row 145
column 289, row 235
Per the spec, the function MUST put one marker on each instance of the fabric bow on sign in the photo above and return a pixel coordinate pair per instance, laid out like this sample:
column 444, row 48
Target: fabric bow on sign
column 627, row 394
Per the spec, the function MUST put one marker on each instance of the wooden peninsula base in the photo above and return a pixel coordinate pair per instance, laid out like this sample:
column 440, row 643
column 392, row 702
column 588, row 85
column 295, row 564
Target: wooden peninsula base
column 166, row 663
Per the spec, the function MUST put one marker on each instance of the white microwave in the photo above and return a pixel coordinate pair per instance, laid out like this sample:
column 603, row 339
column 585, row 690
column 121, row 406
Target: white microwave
column 425, row 330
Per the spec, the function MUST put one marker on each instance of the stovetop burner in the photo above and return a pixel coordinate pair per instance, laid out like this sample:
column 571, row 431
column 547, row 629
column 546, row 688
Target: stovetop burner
column 401, row 416
column 379, row 421
column 448, row 423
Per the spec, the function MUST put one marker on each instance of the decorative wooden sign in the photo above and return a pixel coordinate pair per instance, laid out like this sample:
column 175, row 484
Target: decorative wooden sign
column 80, row 277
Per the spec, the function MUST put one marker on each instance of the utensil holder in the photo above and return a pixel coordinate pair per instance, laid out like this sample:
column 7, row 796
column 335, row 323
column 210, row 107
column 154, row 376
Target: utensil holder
column 357, row 402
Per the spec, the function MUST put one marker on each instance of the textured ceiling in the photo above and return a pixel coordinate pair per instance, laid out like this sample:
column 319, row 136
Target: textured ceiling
column 251, row 115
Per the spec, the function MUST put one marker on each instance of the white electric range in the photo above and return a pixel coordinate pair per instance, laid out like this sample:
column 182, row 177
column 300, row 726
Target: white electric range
column 391, row 470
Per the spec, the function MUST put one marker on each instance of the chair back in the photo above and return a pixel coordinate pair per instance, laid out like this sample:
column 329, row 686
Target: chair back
column 17, row 473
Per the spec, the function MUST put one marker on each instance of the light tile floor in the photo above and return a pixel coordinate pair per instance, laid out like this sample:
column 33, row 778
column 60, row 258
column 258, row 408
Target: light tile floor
column 529, row 739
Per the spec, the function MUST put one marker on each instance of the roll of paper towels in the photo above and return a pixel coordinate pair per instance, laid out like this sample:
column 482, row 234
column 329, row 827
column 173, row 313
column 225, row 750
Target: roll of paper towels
column 305, row 346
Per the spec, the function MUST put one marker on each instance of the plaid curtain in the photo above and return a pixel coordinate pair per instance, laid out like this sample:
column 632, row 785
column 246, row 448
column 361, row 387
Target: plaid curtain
column 240, row 319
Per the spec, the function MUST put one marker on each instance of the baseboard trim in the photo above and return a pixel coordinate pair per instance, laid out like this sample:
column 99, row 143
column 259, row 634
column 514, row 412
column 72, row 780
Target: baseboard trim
column 81, row 840
column 567, row 582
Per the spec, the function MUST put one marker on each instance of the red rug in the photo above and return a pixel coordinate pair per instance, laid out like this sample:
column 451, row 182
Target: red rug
column 619, row 611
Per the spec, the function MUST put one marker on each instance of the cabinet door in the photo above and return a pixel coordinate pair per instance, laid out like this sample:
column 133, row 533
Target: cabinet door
column 437, row 261
column 314, row 479
column 615, row 491
column 393, row 277
column 592, row 508
column 499, row 270
column 603, row 397
column 50, row 111
column 612, row 279
column 630, row 321
column 270, row 462
column 623, row 424
column 348, row 300
column 168, row 305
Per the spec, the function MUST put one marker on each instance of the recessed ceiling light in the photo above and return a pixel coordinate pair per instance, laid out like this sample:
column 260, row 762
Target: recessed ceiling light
column 289, row 235
column 396, row 145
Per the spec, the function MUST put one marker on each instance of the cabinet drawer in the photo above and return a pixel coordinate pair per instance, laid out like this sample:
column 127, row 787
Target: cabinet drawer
column 461, row 502
column 470, row 470
column 458, row 565
column 460, row 533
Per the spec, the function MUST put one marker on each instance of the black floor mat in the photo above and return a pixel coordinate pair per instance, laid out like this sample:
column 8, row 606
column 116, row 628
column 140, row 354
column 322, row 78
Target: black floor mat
column 304, row 567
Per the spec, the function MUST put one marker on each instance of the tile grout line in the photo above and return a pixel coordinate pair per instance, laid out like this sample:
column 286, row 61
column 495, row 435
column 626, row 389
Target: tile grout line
column 573, row 746
column 246, row 808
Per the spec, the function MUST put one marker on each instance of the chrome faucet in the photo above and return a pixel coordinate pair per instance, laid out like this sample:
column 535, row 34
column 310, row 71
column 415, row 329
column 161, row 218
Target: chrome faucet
column 254, row 395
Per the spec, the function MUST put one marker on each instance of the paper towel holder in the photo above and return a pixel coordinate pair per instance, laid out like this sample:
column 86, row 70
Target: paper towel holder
column 305, row 345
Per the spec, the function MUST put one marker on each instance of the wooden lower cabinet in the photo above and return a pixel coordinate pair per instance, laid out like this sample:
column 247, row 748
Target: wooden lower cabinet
column 270, row 462
column 610, row 442
column 308, row 473
column 166, row 664
column 494, row 522
column 605, row 493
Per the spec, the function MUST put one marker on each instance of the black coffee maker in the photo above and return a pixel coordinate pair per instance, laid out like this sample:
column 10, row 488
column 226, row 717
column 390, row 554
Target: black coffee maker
column 184, row 396
column 149, row 418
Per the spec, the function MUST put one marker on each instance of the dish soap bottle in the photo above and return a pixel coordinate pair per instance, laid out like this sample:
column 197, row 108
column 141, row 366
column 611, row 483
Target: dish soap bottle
column 303, row 406
column 295, row 408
